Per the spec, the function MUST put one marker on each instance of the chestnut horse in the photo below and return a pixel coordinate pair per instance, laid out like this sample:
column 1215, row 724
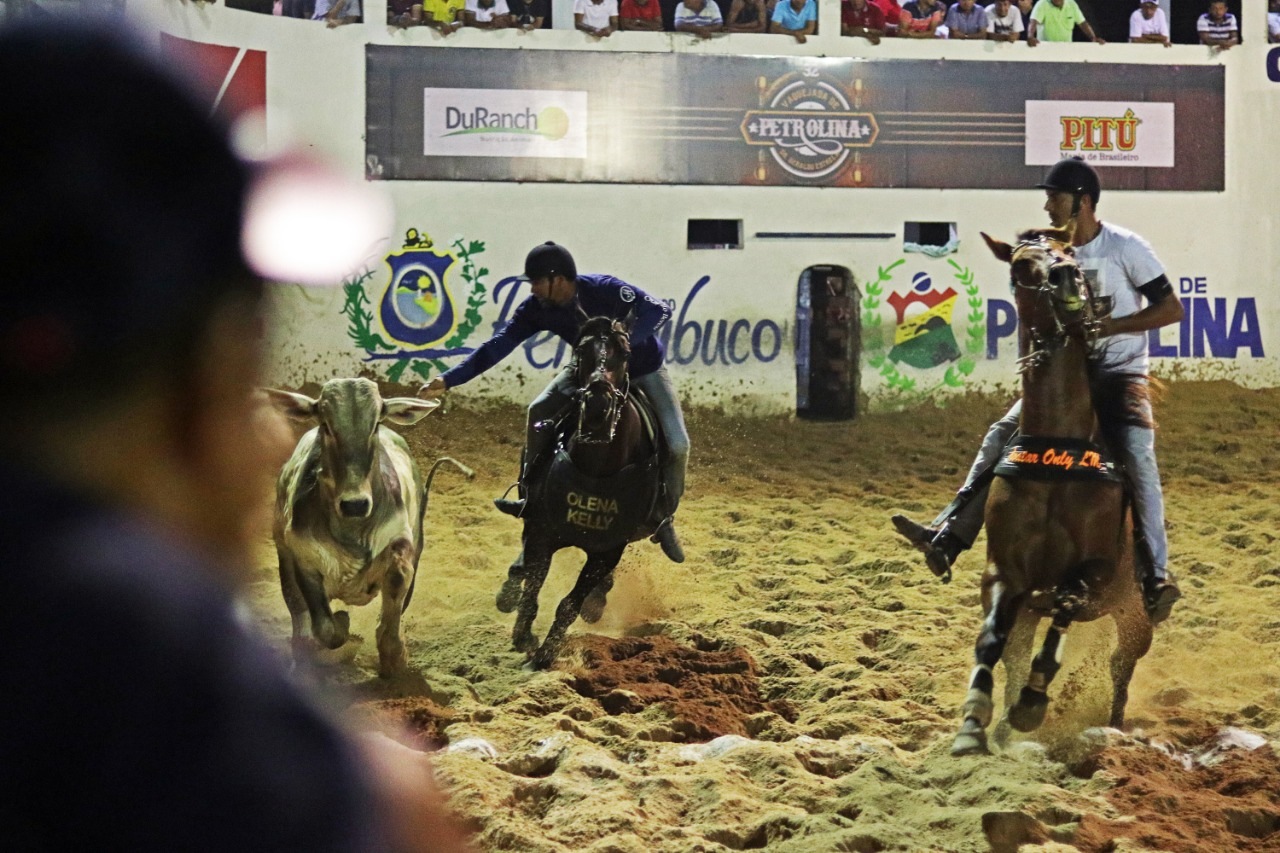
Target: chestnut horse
column 1058, row 545
column 596, row 493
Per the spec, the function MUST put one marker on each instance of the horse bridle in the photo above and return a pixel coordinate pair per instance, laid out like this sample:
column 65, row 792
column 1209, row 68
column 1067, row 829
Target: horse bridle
column 617, row 394
column 1044, row 345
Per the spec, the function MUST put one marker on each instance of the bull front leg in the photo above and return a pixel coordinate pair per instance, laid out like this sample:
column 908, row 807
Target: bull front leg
column 397, row 582
column 597, row 567
column 305, row 596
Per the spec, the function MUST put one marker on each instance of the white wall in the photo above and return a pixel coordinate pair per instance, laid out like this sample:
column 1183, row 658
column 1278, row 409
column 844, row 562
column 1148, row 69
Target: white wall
column 315, row 96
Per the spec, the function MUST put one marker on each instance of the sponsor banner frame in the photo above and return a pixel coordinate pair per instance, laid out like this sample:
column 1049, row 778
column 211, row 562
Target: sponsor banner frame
column 680, row 118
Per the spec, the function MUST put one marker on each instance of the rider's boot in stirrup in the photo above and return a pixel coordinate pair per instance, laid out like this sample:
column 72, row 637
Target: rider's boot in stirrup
column 666, row 537
column 1159, row 593
column 939, row 545
column 510, row 506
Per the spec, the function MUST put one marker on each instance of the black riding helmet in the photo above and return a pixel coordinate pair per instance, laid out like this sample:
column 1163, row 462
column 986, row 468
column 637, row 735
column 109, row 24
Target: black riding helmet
column 549, row 259
column 1073, row 175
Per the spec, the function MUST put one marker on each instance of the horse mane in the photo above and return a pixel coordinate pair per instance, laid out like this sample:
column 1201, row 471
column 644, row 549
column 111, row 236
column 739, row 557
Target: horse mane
column 607, row 326
column 1122, row 400
column 1060, row 235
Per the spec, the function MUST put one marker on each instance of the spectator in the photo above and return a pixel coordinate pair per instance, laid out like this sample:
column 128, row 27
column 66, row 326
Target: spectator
column 1004, row 21
column 1024, row 8
column 528, row 14
column 335, row 13
column 892, row 15
column 298, row 9
column 404, row 13
column 861, row 18
column 1054, row 20
column 486, row 14
column 596, row 18
column 443, row 15
column 1273, row 22
column 921, row 19
column 700, row 17
column 1217, row 27
column 132, row 464
column 1148, row 25
column 640, row 15
column 966, row 20
column 797, row 18
column 747, row 16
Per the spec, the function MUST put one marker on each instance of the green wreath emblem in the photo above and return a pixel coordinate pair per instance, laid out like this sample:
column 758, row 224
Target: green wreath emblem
column 874, row 335
column 356, row 308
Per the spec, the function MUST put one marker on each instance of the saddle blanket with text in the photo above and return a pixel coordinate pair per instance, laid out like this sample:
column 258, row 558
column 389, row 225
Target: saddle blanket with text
column 1047, row 458
column 598, row 513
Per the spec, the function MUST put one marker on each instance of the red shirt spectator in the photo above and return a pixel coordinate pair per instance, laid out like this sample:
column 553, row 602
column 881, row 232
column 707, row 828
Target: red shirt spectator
column 870, row 16
column 892, row 14
column 631, row 10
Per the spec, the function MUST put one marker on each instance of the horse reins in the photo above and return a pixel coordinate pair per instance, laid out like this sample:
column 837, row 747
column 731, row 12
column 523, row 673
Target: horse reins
column 1042, row 347
column 616, row 399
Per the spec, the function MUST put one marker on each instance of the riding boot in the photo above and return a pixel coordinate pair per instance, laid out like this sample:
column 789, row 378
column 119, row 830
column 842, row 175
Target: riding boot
column 1159, row 594
column 666, row 537
column 939, row 545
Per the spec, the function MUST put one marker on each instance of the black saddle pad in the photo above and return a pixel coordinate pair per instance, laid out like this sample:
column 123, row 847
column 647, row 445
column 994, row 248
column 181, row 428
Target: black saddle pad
column 596, row 513
column 1036, row 457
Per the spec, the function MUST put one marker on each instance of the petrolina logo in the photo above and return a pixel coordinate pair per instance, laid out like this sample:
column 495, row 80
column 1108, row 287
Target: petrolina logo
column 808, row 125
column 504, row 123
column 1103, row 132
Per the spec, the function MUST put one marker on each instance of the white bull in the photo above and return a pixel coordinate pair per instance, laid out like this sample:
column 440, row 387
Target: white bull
column 348, row 514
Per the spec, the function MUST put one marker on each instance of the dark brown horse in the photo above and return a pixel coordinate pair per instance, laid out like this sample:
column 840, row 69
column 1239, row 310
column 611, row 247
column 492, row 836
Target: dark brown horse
column 596, row 493
column 1059, row 545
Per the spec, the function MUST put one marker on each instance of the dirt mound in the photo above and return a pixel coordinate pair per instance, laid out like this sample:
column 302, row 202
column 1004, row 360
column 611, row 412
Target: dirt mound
column 417, row 716
column 1231, row 805
column 708, row 693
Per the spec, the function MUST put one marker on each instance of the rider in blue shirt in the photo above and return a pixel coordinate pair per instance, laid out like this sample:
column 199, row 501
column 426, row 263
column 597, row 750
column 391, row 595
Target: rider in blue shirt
column 562, row 299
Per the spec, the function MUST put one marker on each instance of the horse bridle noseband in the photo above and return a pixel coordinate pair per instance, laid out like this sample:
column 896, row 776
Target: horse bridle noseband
column 617, row 394
column 1042, row 346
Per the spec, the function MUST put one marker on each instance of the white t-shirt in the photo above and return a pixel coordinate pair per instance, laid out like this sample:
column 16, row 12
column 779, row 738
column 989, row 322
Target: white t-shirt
column 1156, row 25
column 1116, row 263
column 1010, row 23
column 1273, row 23
column 596, row 15
column 483, row 15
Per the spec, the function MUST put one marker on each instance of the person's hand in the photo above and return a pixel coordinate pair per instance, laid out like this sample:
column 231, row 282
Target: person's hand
column 1032, row 42
column 434, row 389
column 1099, row 41
column 800, row 39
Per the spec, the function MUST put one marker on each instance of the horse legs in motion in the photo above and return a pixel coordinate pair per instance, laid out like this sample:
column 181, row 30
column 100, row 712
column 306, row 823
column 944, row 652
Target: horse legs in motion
column 1002, row 609
column 509, row 595
column 537, row 563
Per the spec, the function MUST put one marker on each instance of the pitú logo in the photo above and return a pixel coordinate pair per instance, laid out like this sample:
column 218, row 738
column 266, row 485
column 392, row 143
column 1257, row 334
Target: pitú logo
column 417, row 310
column 808, row 125
column 549, row 122
column 1100, row 133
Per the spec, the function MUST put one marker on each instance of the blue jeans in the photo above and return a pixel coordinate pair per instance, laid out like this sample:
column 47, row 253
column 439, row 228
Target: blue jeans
column 1136, row 451
column 666, row 405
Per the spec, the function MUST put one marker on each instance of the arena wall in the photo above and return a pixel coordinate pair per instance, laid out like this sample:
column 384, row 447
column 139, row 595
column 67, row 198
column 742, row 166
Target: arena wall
column 733, row 343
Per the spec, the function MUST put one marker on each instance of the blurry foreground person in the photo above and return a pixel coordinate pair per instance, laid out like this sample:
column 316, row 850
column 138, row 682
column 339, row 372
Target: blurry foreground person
column 140, row 713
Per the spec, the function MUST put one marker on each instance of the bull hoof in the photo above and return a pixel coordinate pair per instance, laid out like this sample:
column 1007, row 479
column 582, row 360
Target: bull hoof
column 593, row 607
column 1028, row 713
column 509, row 596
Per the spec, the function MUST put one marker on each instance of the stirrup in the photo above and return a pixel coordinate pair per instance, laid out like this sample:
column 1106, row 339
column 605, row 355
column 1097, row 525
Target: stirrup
column 511, row 506
column 1159, row 596
column 667, row 539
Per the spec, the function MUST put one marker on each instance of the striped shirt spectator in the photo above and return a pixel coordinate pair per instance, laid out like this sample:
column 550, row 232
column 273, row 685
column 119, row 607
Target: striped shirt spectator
column 1218, row 27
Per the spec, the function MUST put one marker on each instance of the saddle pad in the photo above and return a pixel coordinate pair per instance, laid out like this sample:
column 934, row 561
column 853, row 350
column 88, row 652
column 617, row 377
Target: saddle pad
column 1037, row 457
column 598, row 514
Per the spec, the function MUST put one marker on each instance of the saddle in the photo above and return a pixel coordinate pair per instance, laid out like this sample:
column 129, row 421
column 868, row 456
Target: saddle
column 599, row 513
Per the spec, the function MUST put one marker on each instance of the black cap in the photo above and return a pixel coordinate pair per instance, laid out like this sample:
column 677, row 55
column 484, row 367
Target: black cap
column 120, row 206
column 547, row 260
column 1073, row 175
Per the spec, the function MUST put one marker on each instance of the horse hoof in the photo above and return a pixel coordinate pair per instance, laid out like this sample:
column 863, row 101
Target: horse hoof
column 592, row 608
column 1028, row 713
column 524, row 644
column 509, row 596
column 543, row 658
column 970, row 743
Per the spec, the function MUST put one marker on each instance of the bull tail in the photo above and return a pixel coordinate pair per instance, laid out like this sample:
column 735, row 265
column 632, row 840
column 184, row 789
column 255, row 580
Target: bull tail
column 422, row 511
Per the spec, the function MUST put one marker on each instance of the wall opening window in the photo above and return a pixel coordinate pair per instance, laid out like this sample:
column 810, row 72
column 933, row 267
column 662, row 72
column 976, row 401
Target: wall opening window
column 715, row 233
column 931, row 238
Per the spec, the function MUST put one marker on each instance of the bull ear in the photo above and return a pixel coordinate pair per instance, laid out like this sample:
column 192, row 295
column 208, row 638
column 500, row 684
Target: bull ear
column 406, row 411
column 1000, row 249
column 296, row 407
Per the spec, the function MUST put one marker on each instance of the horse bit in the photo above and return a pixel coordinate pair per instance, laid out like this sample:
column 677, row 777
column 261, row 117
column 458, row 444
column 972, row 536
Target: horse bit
column 1043, row 346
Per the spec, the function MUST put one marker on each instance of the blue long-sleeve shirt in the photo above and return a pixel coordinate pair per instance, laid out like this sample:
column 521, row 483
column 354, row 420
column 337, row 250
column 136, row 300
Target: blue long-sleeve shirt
column 597, row 296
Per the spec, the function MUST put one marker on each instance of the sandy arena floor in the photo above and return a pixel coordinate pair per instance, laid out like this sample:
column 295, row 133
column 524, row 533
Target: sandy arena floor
column 795, row 684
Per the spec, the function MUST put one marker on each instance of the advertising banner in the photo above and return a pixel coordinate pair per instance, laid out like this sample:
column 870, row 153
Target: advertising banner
column 662, row 118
